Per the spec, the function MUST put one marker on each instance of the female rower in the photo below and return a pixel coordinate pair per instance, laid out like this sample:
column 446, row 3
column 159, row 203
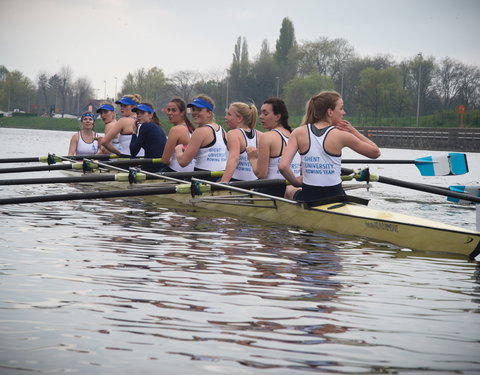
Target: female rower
column 320, row 142
column 124, row 127
column 241, row 119
column 208, row 144
column 107, row 114
column 149, row 135
column 85, row 141
column 265, row 158
column 179, row 134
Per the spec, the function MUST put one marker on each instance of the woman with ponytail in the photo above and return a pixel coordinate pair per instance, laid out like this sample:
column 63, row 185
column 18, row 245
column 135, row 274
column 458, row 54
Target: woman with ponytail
column 241, row 119
column 320, row 140
column 179, row 134
column 118, row 138
column 148, row 135
column 265, row 158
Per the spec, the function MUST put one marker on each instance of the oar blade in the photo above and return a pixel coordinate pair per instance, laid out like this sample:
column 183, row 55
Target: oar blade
column 454, row 163
column 458, row 163
column 472, row 190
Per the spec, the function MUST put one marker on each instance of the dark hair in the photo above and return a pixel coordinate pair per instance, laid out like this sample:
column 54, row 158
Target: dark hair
column 156, row 120
column 182, row 107
column 317, row 106
column 279, row 108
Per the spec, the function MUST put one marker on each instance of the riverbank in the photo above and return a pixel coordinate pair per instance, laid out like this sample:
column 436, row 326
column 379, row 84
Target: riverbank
column 433, row 138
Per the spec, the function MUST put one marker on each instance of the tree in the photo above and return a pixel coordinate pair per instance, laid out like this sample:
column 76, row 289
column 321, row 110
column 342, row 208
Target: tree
column 264, row 76
column 449, row 78
column 151, row 85
column 65, row 87
column 299, row 90
column 286, row 48
column 182, row 83
column 239, row 70
column 16, row 91
column 381, row 92
column 42, row 92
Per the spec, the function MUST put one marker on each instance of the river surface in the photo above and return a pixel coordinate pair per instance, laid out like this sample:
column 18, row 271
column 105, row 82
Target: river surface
column 129, row 286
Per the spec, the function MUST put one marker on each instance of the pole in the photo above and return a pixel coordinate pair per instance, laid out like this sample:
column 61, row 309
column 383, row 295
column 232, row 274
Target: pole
column 115, row 93
column 419, row 79
column 278, row 84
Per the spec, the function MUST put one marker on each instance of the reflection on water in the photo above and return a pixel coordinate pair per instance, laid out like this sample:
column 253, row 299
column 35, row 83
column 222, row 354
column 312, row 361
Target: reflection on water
column 130, row 286
column 127, row 286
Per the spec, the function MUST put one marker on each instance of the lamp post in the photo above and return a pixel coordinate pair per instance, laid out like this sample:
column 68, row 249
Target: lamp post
column 115, row 93
column 419, row 79
column 104, row 89
column 278, row 84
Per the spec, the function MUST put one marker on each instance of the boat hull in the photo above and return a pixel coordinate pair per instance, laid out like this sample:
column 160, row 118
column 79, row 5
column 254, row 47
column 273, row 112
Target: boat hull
column 346, row 217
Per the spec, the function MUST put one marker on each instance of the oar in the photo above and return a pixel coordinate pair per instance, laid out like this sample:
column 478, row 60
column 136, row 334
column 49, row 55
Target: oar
column 472, row 190
column 175, row 189
column 85, row 165
column 365, row 175
column 51, row 158
column 453, row 163
column 104, row 177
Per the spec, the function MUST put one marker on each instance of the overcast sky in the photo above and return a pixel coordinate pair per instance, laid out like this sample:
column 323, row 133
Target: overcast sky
column 104, row 39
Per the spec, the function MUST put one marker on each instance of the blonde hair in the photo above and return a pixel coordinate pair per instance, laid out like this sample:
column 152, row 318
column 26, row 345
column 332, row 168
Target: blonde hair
column 248, row 112
column 137, row 98
column 317, row 106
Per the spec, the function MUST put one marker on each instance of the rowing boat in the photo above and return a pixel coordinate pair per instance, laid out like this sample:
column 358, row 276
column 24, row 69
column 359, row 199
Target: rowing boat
column 345, row 215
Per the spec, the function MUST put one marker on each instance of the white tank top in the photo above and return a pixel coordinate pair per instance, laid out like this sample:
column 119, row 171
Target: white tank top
column 319, row 168
column 175, row 165
column 214, row 156
column 124, row 145
column 244, row 171
column 273, row 171
column 84, row 148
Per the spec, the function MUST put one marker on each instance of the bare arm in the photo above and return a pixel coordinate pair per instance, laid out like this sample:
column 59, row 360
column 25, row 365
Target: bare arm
column 172, row 140
column 123, row 124
column 186, row 155
column 234, row 145
column 260, row 157
column 72, row 148
column 355, row 140
column 287, row 157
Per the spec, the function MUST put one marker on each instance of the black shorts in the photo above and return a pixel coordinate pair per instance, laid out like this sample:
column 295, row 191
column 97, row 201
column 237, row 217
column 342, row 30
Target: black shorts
column 312, row 193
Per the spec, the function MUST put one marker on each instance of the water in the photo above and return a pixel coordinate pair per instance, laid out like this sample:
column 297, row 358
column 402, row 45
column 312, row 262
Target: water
column 126, row 286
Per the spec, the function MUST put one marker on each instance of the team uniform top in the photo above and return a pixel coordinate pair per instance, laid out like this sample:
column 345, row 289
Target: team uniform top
column 213, row 157
column 175, row 166
column 85, row 148
column 321, row 170
column 273, row 172
column 244, row 171
column 123, row 145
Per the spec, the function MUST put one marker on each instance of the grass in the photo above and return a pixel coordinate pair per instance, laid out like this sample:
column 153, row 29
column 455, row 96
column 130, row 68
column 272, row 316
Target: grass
column 446, row 119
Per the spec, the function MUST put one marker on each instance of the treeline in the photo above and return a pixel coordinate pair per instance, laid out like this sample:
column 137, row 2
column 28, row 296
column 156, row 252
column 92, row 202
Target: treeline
column 373, row 87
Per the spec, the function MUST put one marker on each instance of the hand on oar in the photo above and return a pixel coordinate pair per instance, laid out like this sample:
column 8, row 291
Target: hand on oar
column 453, row 163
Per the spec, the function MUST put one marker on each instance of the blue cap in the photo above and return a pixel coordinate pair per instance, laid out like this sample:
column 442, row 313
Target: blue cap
column 106, row 107
column 144, row 108
column 127, row 101
column 87, row 115
column 200, row 103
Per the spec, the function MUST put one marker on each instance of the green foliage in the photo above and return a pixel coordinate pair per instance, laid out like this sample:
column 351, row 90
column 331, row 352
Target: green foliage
column 381, row 93
column 299, row 90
